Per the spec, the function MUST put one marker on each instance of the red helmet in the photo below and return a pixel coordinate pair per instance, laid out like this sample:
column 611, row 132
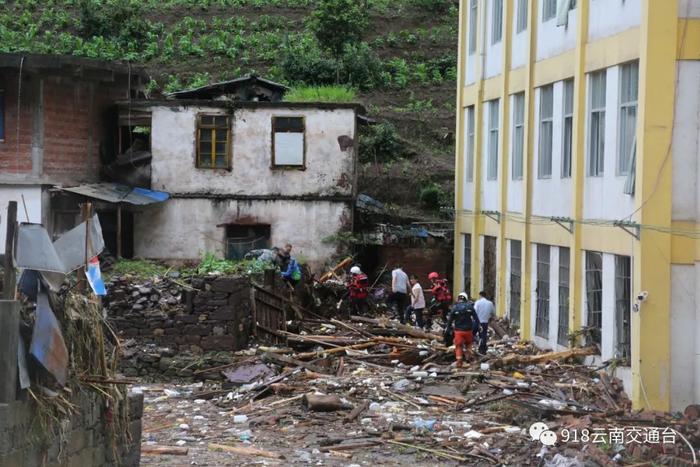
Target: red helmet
column 433, row 275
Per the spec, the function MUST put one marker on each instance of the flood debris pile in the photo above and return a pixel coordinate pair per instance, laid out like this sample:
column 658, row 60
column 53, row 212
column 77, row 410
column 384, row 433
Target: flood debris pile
column 371, row 390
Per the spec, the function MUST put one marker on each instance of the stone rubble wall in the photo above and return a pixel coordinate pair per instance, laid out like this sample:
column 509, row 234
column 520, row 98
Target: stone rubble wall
column 84, row 438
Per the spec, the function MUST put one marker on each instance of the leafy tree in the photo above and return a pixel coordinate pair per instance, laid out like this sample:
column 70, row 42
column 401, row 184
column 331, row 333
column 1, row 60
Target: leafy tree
column 339, row 22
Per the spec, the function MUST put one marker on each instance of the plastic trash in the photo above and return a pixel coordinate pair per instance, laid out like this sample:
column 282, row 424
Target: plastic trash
column 240, row 418
column 374, row 406
column 245, row 435
column 485, row 367
column 421, row 424
column 419, row 374
column 472, row 434
column 181, row 442
column 184, row 426
column 171, row 393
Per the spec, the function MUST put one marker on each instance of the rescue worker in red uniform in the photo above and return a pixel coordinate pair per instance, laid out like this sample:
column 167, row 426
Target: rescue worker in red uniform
column 358, row 289
column 442, row 297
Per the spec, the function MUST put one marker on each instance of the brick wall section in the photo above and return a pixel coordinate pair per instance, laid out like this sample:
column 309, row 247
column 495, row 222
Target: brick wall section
column 208, row 313
column 84, row 442
column 14, row 159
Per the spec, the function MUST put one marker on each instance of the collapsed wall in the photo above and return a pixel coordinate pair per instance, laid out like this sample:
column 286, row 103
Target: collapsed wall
column 83, row 439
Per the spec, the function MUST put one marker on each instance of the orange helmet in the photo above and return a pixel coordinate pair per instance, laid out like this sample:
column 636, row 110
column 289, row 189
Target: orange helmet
column 433, row 275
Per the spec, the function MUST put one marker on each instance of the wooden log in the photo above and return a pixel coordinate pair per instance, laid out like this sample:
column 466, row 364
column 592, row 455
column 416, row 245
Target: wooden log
column 10, row 277
column 163, row 450
column 246, row 451
column 516, row 359
column 356, row 411
column 335, row 350
column 342, row 265
column 323, row 403
column 9, row 323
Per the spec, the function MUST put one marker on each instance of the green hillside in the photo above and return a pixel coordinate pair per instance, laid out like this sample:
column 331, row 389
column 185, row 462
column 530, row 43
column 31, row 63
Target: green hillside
column 400, row 59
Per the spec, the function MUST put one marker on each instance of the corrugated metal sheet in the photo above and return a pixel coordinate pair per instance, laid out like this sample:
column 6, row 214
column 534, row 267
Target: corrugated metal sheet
column 116, row 193
column 48, row 346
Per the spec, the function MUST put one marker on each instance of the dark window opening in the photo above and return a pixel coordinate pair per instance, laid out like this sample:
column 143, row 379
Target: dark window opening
column 490, row 267
column 515, row 276
column 468, row 264
column 108, row 222
column 594, row 295
column 542, row 314
column 134, row 139
column 564, row 262
column 241, row 239
column 623, row 305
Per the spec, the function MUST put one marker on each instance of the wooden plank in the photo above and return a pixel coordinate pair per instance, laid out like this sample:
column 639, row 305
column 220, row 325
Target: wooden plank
column 10, row 278
column 9, row 323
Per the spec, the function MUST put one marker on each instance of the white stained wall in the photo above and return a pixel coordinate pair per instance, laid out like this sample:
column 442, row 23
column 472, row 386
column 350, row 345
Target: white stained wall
column 608, row 17
column 518, row 47
column 686, row 143
column 329, row 170
column 685, row 327
column 187, row 228
column 554, row 40
column 551, row 196
column 603, row 197
column 689, row 8
column 493, row 56
column 468, row 192
column 32, row 199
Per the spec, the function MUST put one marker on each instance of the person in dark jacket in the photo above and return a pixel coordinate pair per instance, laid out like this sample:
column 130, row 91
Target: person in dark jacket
column 461, row 318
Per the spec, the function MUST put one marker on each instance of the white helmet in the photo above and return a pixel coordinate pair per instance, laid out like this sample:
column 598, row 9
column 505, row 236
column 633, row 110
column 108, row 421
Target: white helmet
column 355, row 270
column 464, row 296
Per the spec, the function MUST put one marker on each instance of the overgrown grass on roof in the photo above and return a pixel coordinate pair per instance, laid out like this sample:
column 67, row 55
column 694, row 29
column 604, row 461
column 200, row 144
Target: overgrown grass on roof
column 138, row 267
column 335, row 94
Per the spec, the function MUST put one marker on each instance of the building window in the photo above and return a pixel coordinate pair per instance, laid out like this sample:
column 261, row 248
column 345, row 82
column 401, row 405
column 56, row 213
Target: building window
column 241, row 239
column 629, row 81
column 568, row 128
column 594, row 295
column 496, row 21
column 492, row 168
column 623, row 304
column 470, row 143
column 213, row 137
column 518, row 134
column 288, row 142
column 542, row 314
column 468, row 263
column 563, row 331
column 521, row 21
column 490, row 264
column 515, row 275
column 2, row 115
column 473, row 11
column 596, row 137
column 544, row 166
column 549, row 10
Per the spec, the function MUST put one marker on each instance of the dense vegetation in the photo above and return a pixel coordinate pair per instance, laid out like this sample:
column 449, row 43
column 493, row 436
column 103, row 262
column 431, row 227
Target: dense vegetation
column 398, row 57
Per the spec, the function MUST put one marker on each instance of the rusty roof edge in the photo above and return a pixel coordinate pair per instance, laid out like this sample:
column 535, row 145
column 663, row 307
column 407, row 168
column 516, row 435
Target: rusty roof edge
column 48, row 61
column 242, row 79
column 145, row 103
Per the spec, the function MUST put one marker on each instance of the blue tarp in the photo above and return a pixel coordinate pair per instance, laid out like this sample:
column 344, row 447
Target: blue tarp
column 116, row 193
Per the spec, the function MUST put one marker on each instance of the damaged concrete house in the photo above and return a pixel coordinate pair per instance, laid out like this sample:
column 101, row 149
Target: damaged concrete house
column 245, row 170
column 58, row 123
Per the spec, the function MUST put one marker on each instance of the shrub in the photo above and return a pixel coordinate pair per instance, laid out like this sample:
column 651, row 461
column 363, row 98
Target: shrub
column 336, row 23
column 360, row 66
column 433, row 5
column 115, row 19
column 431, row 196
column 305, row 62
column 320, row 94
column 380, row 143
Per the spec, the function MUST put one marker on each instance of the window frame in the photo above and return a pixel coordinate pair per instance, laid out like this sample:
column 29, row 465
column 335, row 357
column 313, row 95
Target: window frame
column 545, row 149
column 564, row 289
column 467, row 252
column 594, row 311
column 567, row 128
column 469, row 163
column 473, row 24
column 213, row 127
column 518, row 136
column 515, row 282
column 273, row 164
column 543, row 290
column 596, row 152
column 549, row 10
column 493, row 140
column 521, row 16
column 624, row 154
column 623, row 308
column 496, row 26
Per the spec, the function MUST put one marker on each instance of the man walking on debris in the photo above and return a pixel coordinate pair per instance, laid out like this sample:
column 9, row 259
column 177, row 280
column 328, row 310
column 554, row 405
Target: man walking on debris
column 399, row 292
column 461, row 318
column 292, row 274
column 358, row 289
column 484, row 311
column 284, row 255
column 417, row 302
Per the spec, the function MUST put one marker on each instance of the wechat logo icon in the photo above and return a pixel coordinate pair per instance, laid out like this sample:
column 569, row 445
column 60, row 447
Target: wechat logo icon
column 541, row 432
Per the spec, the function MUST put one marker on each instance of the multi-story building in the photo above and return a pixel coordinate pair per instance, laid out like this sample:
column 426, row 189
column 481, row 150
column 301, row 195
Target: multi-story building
column 577, row 176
